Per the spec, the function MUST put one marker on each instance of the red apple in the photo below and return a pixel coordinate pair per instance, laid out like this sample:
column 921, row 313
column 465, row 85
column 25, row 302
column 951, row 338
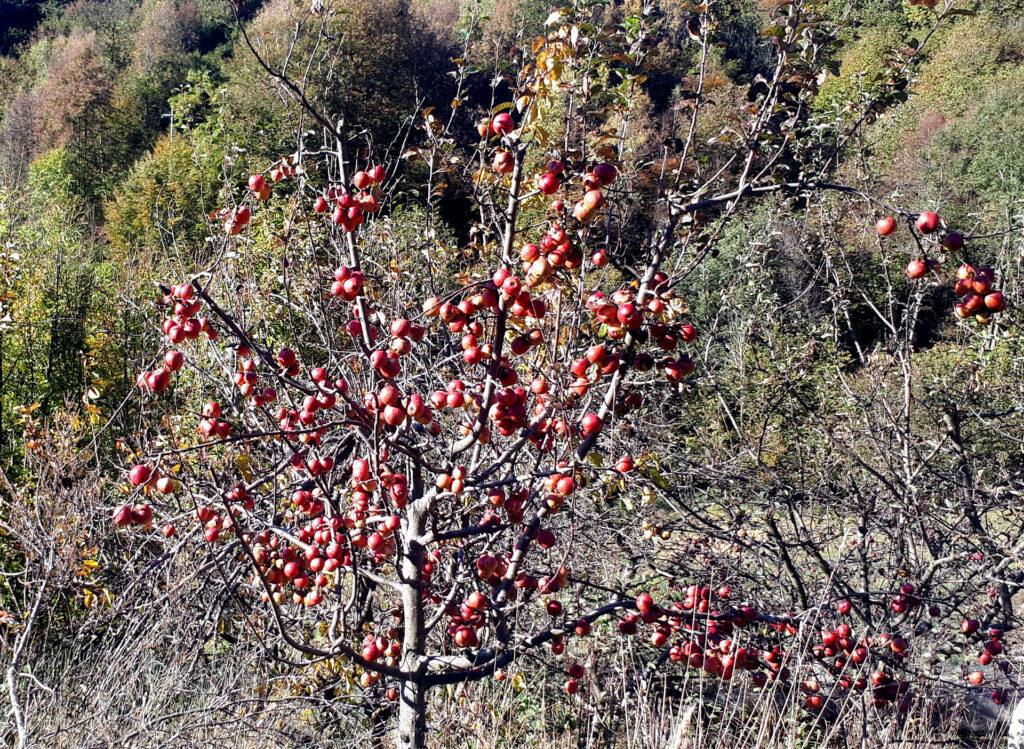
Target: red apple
column 995, row 301
column 362, row 180
column 174, row 360
column 973, row 303
column 547, row 183
column 503, row 162
column 606, row 173
column 916, row 269
column 502, row 124
column 885, row 226
column 953, row 240
column 590, row 424
column 927, row 222
column 645, row 603
column 140, row 474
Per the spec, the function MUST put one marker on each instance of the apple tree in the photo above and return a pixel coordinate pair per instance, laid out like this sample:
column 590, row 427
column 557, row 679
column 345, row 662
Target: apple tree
column 406, row 441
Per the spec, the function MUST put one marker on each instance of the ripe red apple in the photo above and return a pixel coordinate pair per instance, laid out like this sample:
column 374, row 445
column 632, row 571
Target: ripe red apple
column 590, row 424
column 502, row 124
column 927, row 222
column 547, row 183
column 953, row 241
column 476, row 601
column 676, row 370
column 581, row 213
column 592, row 200
column 917, row 269
column 362, row 180
column 465, row 637
column 166, row 485
column 504, row 162
column 123, row 516
column 158, row 380
column 140, row 474
column 174, row 360
column 257, row 183
column 973, row 303
column 606, row 173
column 995, row 301
column 885, row 226
column 645, row 603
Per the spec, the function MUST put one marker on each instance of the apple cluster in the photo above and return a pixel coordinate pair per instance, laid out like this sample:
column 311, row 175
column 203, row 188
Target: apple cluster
column 974, row 285
column 991, row 642
column 144, row 479
column 978, row 297
column 182, row 325
column 700, row 636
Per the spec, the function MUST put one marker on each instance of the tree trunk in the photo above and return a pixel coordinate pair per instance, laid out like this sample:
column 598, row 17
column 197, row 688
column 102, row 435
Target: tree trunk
column 412, row 715
column 412, row 710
